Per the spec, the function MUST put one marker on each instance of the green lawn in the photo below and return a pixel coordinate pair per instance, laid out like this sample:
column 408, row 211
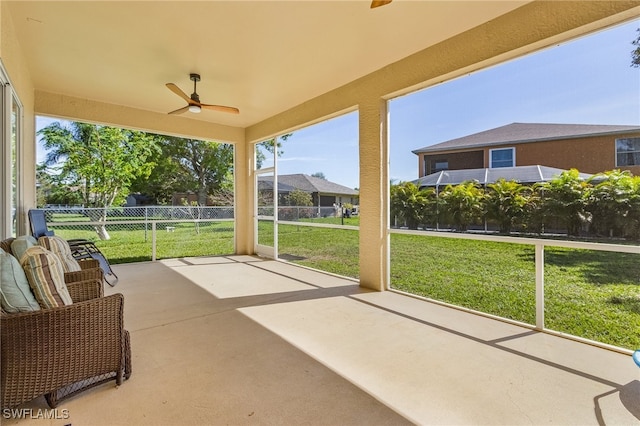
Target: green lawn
column 132, row 242
column 591, row 294
column 331, row 250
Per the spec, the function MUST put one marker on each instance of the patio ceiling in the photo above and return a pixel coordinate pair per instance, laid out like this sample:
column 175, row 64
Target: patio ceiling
column 263, row 57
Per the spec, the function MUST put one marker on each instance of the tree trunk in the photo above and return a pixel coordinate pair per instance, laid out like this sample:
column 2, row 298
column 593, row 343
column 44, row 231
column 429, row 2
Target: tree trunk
column 99, row 216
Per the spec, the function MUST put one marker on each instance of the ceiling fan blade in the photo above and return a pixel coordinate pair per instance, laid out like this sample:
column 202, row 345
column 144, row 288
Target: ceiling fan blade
column 180, row 111
column 175, row 89
column 221, row 108
column 378, row 3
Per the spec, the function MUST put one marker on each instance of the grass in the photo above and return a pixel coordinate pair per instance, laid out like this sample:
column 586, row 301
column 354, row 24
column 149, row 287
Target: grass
column 331, row 250
column 591, row 294
column 132, row 243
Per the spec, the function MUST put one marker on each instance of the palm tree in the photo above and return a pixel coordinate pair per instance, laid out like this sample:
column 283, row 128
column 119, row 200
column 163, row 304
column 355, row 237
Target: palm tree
column 565, row 199
column 506, row 203
column 610, row 202
column 463, row 204
column 411, row 204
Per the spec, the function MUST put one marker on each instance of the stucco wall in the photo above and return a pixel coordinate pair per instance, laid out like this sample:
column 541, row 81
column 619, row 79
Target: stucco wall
column 16, row 67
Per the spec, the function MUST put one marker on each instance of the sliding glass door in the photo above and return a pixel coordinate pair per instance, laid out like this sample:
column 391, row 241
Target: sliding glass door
column 266, row 200
column 11, row 120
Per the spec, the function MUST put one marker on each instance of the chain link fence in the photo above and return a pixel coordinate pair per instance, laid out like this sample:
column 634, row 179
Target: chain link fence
column 133, row 234
column 295, row 213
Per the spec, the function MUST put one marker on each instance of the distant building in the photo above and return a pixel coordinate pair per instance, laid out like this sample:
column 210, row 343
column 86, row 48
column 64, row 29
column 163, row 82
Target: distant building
column 586, row 147
column 323, row 192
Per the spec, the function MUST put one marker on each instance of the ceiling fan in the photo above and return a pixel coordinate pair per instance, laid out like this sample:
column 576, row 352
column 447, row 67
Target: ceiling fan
column 378, row 3
column 193, row 103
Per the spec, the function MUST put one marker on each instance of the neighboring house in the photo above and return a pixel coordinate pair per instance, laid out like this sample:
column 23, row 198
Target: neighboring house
column 522, row 174
column 135, row 200
column 323, row 192
column 586, row 147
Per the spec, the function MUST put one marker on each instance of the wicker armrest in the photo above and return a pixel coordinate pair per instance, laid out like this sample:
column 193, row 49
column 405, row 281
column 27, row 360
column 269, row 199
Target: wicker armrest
column 85, row 290
column 88, row 263
column 46, row 350
column 83, row 275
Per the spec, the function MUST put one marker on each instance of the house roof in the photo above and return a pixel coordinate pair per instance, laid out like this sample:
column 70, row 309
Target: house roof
column 308, row 183
column 266, row 183
column 527, row 132
column 522, row 174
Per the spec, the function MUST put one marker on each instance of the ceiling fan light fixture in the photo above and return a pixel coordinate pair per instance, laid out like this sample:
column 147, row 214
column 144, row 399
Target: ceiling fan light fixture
column 193, row 101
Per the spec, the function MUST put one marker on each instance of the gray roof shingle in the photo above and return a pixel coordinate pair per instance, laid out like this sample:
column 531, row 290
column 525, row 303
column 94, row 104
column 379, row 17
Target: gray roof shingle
column 527, row 132
column 312, row 184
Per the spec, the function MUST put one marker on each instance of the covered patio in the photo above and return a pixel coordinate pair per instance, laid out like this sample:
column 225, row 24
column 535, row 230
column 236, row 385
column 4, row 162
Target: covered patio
column 247, row 340
column 244, row 339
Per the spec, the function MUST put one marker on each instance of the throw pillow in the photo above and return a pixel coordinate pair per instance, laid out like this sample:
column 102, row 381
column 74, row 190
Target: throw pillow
column 15, row 293
column 6, row 245
column 46, row 277
column 20, row 245
column 60, row 248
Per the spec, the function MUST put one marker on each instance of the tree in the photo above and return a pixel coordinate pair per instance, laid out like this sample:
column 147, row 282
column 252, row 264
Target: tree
column 299, row 198
column 463, row 204
column 632, row 229
column 610, row 202
column 565, row 199
column 410, row 204
column 533, row 220
column 506, row 203
column 103, row 161
column 319, row 175
column 635, row 54
column 204, row 167
column 270, row 146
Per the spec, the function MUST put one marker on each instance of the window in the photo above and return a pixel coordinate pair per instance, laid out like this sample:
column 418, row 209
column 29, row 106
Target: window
column 15, row 117
column 505, row 157
column 628, row 152
column 10, row 118
column 440, row 165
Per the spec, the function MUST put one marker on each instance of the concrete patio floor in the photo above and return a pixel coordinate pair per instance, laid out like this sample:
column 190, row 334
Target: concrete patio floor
column 241, row 340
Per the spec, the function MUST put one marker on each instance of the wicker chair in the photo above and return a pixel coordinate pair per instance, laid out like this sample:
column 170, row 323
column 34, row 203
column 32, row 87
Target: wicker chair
column 90, row 268
column 62, row 351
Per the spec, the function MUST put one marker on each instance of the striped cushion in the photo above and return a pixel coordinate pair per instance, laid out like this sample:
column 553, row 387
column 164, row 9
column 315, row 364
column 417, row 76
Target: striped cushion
column 60, row 248
column 6, row 245
column 46, row 277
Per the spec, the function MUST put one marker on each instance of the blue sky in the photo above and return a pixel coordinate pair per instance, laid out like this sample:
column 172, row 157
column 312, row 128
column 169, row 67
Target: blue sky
column 586, row 81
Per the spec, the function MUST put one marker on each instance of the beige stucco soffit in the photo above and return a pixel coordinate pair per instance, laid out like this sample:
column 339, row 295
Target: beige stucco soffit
column 72, row 108
column 534, row 26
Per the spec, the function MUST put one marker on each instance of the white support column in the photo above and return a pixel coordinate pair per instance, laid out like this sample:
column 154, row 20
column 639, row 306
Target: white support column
column 153, row 241
column 539, row 259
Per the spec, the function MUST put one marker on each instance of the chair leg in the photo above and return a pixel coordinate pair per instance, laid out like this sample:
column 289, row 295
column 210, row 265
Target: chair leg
column 52, row 399
column 127, row 355
column 113, row 281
